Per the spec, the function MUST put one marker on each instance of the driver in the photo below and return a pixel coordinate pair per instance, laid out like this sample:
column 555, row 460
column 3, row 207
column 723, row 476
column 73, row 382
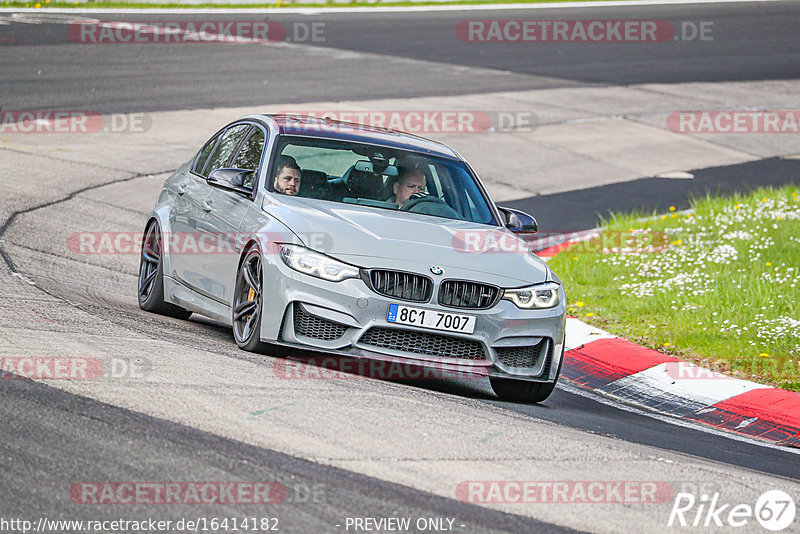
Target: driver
column 287, row 176
column 410, row 182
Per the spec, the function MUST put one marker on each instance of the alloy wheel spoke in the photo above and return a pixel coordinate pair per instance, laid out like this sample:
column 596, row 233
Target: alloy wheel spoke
column 248, row 326
column 251, row 278
column 149, row 257
column 244, row 308
column 148, row 281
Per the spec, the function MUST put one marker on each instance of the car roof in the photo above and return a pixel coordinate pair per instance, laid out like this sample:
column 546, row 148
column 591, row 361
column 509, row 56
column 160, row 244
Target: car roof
column 325, row 128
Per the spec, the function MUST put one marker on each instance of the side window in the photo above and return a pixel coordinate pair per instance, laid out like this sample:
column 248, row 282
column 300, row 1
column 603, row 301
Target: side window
column 250, row 154
column 204, row 153
column 224, row 149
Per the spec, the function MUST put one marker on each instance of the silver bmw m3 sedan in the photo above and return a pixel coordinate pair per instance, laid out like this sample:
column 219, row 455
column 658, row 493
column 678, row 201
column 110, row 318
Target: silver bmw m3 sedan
column 359, row 242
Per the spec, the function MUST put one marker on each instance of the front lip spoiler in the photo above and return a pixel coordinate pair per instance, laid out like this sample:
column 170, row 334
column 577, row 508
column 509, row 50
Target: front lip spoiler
column 361, row 354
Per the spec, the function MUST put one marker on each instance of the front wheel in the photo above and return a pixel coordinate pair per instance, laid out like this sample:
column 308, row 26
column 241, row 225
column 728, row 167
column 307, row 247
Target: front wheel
column 247, row 303
column 151, row 276
column 514, row 390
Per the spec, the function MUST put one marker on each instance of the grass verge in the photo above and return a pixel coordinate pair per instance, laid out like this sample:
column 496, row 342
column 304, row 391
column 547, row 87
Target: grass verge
column 719, row 286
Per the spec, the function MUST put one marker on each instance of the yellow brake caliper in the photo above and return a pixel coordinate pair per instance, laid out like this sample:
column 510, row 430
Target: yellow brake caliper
column 251, row 295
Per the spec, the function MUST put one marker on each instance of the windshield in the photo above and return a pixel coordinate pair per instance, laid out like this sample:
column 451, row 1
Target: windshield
column 379, row 177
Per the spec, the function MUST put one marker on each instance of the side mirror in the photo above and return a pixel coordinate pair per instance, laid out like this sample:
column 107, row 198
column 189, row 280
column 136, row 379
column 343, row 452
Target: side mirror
column 232, row 180
column 519, row 222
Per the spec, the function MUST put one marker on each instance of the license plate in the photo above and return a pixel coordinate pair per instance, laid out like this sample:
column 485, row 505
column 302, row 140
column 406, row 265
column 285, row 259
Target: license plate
column 436, row 320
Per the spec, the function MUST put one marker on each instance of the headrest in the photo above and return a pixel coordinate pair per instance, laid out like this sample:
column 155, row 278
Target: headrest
column 313, row 177
column 366, row 166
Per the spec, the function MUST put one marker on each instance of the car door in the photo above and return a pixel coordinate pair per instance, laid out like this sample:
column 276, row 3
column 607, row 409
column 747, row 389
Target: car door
column 185, row 213
column 191, row 231
column 224, row 212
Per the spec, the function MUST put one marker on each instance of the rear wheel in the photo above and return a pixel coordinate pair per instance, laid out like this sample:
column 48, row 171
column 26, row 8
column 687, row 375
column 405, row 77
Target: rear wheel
column 247, row 303
column 514, row 390
column 151, row 276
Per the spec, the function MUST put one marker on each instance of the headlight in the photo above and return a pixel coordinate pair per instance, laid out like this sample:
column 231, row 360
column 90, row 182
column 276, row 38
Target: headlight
column 307, row 261
column 533, row 297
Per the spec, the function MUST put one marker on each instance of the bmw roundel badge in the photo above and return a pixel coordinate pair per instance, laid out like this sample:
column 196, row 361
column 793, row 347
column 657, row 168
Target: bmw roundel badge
column 436, row 270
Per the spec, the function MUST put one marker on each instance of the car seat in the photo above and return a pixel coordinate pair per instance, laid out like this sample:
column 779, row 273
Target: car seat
column 313, row 184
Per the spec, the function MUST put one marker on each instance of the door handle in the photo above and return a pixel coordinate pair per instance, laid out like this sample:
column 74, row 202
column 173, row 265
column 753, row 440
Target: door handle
column 207, row 205
column 181, row 189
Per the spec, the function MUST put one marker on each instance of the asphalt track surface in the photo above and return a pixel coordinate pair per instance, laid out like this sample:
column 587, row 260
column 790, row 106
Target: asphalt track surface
column 407, row 54
column 124, row 442
column 585, row 209
column 42, row 69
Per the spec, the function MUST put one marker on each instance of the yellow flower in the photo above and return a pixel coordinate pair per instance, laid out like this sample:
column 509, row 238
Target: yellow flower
column 667, row 344
column 674, row 215
column 764, row 355
column 780, row 218
column 769, row 263
column 574, row 257
column 763, row 200
column 672, row 208
column 590, row 314
column 579, row 304
column 663, row 217
column 678, row 242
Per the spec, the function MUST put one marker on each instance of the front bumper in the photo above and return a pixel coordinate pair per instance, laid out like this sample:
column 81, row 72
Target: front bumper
column 348, row 318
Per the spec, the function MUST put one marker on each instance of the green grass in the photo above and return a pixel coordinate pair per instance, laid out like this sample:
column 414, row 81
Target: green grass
column 690, row 286
column 277, row 4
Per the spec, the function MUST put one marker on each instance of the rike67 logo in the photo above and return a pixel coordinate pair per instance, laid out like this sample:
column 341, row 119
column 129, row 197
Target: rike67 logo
column 774, row 510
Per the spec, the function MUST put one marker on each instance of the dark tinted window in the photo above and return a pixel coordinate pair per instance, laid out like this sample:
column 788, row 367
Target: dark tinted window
column 375, row 176
column 224, row 149
column 201, row 160
column 250, row 154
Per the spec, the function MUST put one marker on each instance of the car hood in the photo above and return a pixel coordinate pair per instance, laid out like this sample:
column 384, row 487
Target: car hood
column 378, row 238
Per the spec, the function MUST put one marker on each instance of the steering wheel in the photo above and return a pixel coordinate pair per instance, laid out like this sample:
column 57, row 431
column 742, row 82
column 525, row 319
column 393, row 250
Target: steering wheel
column 430, row 205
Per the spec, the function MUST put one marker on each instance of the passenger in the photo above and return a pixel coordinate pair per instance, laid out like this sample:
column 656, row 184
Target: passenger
column 287, row 176
column 409, row 182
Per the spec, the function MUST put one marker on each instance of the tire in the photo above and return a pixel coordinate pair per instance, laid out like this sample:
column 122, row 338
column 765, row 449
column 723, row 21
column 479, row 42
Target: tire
column 248, row 303
column 151, row 276
column 513, row 390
